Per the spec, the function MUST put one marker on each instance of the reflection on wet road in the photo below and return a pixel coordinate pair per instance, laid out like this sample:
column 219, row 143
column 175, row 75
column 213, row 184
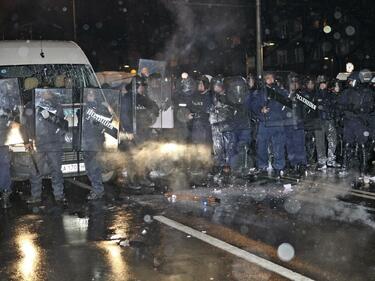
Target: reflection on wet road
column 118, row 242
column 321, row 239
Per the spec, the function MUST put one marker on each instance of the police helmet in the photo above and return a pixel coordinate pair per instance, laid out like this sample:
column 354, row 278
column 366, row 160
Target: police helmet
column 365, row 76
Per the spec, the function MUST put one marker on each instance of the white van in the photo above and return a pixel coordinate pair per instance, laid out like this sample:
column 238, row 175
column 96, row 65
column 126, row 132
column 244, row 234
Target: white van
column 50, row 64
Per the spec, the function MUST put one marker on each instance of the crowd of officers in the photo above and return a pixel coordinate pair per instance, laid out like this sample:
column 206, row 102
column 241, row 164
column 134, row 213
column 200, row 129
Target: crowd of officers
column 282, row 125
column 278, row 126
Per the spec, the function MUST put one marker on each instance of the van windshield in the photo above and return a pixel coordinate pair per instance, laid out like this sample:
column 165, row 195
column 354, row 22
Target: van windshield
column 52, row 75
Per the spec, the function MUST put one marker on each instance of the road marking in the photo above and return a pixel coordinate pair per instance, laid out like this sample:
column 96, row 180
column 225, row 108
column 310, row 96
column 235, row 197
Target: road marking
column 266, row 264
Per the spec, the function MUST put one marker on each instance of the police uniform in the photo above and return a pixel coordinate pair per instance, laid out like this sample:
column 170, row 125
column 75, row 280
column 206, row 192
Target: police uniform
column 326, row 106
column 356, row 102
column 271, row 130
column 49, row 139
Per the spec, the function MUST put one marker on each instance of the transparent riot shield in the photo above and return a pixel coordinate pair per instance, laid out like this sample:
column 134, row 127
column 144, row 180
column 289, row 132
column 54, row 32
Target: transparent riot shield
column 10, row 103
column 100, row 120
column 159, row 90
column 148, row 67
column 54, row 119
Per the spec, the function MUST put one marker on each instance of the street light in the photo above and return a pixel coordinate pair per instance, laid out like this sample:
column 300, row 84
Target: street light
column 259, row 42
column 74, row 21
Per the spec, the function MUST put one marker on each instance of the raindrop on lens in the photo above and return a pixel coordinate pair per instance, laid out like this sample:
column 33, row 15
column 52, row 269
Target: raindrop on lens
column 285, row 252
column 86, row 27
column 350, row 30
column 337, row 35
column 147, row 219
column 64, row 9
column 366, row 133
column 337, row 15
column 292, row 206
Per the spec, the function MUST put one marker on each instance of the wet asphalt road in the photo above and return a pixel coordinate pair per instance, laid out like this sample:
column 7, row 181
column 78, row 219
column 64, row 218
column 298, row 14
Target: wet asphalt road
column 118, row 240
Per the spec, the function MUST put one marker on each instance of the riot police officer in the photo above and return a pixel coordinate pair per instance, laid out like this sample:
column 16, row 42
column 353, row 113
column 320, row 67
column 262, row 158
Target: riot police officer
column 9, row 112
column 311, row 122
column 294, row 129
column 268, row 108
column 356, row 102
column 199, row 107
column 185, row 89
column 50, row 127
column 326, row 106
column 94, row 112
column 239, row 98
column 221, row 114
column 137, row 113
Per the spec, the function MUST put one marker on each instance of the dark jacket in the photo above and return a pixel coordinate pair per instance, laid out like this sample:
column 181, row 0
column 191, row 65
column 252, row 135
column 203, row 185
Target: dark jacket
column 276, row 115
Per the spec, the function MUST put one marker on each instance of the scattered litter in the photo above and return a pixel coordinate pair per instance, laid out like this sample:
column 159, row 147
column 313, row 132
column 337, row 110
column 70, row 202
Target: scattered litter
column 204, row 231
column 217, row 191
column 144, row 232
column 287, row 188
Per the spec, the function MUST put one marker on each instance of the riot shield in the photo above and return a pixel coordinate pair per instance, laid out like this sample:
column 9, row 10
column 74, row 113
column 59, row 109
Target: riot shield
column 148, row 67
column 54, row 119
column 100, row 120
column 160, row 91
column 10, row 103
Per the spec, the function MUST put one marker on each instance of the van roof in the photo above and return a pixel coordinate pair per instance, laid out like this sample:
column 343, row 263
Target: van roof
column 28, row 52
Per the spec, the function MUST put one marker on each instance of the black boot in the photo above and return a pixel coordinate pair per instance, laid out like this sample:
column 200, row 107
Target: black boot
column 5, row 200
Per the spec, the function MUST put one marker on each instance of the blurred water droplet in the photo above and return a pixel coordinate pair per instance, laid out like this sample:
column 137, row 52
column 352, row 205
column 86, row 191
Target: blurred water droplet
column 147, row 219
column 285, row 252
column 292, row 206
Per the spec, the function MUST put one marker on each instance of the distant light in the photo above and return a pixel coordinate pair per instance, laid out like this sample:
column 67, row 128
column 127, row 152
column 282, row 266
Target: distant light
column 327, row 29
column 268, row 44
column 350, row 30
column 133, row 71
column 195, row 71
column 126, row 66
column 184, row 75
column 349, row 67
column 326, row 58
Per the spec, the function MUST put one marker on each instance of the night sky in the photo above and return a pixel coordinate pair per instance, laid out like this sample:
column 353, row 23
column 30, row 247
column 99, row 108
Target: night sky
column 213, row 36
